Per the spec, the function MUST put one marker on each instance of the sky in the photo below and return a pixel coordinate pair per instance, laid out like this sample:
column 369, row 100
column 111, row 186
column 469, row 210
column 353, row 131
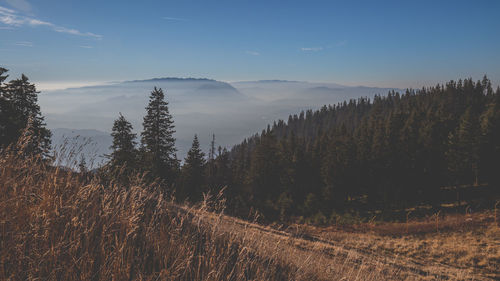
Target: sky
column 372, row 43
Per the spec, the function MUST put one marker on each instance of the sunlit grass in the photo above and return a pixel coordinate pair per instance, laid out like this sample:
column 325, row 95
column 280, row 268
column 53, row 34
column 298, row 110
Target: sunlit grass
column 56, row 224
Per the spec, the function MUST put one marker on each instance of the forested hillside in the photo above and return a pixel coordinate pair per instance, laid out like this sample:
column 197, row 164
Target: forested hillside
column 391, row 152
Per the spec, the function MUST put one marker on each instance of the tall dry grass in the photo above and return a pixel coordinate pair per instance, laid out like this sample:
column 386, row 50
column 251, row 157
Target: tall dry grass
column 56, row 226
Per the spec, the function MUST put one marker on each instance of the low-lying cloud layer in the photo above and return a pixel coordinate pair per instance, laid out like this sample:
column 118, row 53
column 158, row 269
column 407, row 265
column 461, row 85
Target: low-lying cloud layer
column 204, row 107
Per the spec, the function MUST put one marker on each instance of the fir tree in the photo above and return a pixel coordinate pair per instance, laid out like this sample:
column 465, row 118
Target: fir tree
column 5, row 110
column 264, row 177
column 124, row 152
column 490, row 148
column 21, row 115
column 193, row 177
column 463, row 152
column 223, row 170
column 158, row 140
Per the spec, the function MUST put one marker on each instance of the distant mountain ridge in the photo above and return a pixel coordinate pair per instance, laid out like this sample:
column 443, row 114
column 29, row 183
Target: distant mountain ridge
column 196, row 85
column 174, row 79
column 271, row 81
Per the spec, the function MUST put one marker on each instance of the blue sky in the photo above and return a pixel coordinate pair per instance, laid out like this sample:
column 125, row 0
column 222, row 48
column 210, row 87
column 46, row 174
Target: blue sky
column 373, row 43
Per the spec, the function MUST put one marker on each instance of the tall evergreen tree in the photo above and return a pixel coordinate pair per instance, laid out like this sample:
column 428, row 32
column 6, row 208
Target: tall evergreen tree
column 264, row 176
column 463, row 152
column 158, row 140
column 193, row 175
column 490, row 149
column 21, row 114
column 124, row 152
column 223, row 171
column 5, row 110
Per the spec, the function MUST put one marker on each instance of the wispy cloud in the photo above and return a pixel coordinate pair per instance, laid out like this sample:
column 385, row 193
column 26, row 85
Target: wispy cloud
column 22, row 5
column 24, row 44
column 311, row 49
column 86, row 47
column 14, row 19
column 253, row 53
column 174, row 19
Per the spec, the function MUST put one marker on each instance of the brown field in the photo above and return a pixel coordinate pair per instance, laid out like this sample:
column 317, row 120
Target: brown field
column 53, row 226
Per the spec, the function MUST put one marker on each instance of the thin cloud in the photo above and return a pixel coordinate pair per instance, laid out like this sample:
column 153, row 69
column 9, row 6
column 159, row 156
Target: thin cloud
column 14, row 19
column 22, row 5
column 311, row 49
column 253, row 53
column 174, row 19
column 24, row 44
column 86, row 47
column 7, row 10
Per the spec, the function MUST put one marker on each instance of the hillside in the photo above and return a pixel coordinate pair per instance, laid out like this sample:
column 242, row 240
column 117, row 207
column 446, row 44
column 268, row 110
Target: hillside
column 428, row 149
column 70, row 226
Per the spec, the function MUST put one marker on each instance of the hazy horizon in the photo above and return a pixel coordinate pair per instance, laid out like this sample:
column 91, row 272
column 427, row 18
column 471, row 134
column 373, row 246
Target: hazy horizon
column 231, row 111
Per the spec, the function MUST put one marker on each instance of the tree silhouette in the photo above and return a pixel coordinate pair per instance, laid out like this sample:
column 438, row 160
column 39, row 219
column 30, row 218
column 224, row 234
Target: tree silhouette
column 193, row 174
column 124, row 152
column 21, row 115
column 158, row 142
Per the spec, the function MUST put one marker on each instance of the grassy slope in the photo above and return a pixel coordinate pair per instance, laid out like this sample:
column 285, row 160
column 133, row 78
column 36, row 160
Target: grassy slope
column 465, row 248
column 53, row 226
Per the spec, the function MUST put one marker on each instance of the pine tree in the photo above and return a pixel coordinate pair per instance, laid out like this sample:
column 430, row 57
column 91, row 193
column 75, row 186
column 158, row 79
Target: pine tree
column 223, row 175
column 463, row 152
column 490, row 150
column 264, row 177
column 21, row 112
column 3, row 77
column 5, row 109
column 158, row 140
column 211, row 154
column 193, row 176
column 124, row 152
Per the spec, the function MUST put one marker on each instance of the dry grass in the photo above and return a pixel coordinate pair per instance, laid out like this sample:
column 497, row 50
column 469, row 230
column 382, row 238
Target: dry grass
column 54, row 225
column 450, row 246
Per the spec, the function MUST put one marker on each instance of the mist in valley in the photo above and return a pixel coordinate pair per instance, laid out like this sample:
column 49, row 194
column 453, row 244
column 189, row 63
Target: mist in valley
column 231, row 111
